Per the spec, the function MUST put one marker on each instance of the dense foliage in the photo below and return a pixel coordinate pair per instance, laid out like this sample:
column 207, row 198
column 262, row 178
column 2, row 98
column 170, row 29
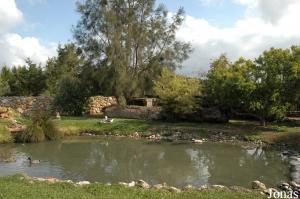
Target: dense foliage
column 71, row 96
column 177, row 93
column 264, row 88
column 24, row 80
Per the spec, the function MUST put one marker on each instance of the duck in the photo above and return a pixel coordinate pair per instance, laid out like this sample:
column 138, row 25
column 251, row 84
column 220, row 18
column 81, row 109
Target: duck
column 33, row 161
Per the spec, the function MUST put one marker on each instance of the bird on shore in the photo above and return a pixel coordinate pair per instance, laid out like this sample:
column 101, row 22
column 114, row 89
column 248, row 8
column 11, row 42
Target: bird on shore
column 33, row 161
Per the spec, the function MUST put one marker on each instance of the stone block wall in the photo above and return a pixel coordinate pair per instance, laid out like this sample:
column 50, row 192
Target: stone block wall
column 25, row 105
column 96, row 105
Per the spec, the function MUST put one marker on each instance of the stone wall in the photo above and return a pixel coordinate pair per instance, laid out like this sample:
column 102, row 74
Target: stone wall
column 133, row 112
column 25, row 105
column 96, row 105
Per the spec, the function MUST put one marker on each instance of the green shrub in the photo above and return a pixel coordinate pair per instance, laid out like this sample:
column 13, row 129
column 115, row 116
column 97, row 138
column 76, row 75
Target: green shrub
column 33, row 133
column 51, row 131
column 71, row 96
column 41, row 128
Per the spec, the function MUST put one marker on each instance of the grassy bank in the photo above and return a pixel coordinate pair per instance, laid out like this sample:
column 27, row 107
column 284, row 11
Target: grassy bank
column 18, row 187
column 5, row 136
column 288, row 132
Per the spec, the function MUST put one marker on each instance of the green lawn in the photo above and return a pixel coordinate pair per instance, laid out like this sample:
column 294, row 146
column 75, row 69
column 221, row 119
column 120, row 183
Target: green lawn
column 18, row 187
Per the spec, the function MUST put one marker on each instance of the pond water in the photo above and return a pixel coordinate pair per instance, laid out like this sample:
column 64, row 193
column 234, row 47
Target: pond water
column 111, row 160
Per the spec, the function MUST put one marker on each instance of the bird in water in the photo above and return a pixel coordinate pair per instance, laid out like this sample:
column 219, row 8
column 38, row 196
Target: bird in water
column 33, row 161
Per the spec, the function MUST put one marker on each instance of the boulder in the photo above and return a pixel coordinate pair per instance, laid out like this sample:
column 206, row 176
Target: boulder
column 173, row 189
column 143, row 184
column 258, row 185
column 295, row 163
column 131, row 184
column 82, row 183
column 189, row 188
column 218, row 187
column 3, row 109
column 159, row 186
column 295, row 185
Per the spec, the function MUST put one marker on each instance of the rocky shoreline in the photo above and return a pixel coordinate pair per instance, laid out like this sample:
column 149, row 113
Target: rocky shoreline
column 256, row 186
column 180, row 137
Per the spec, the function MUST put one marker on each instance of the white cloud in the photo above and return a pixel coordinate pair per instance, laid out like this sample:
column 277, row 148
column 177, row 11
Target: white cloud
column 9, row 15
column 260, row 29
column 14, row 48
column 17, row 49
column 269, row 10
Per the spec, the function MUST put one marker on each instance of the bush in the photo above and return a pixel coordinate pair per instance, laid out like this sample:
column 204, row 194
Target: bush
column 177, row 94
column 33, row 133
column 51, row 131
column 71, row 96
column 41, row 127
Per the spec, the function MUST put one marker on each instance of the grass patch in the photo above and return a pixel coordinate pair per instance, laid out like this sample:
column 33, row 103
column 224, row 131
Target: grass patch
column 18, row 187
column 5, row 136
column 288, row 132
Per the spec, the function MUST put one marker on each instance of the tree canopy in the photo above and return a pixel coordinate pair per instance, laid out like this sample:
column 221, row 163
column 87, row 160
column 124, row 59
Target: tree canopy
column 128, row 42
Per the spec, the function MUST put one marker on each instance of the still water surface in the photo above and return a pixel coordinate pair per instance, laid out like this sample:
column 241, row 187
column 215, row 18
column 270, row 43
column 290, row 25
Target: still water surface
column 111, row 160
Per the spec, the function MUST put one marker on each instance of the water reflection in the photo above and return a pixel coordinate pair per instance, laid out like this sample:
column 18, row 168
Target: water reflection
column 114, row 160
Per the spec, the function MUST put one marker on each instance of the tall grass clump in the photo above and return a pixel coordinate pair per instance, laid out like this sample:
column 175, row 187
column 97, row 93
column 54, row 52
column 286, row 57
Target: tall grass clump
column 40, row 128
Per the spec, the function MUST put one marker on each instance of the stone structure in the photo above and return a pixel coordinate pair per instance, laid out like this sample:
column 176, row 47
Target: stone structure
column 25, row 105
column 148, row 102
column 133, row 112
column 5, row 113
column 96, row 105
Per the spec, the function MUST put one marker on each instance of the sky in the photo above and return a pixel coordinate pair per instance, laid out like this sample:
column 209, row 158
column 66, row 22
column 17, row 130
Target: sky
column 34, row 28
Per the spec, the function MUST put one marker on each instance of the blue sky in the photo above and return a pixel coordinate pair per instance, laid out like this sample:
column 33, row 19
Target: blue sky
column 34, row 28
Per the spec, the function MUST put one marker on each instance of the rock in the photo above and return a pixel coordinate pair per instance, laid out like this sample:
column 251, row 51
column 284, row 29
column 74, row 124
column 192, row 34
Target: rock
column 159, row 186
column 296, row 158
column 131, row 184
column 136, row 135
column 296, row 168
column 173, row 189
column 3, row 109
column 143, row 184
column 285, row 186
column 123, row 184
column 203, row 187
column 82, row 183
column 197, row 141
column 294, row 163
column 258, row 185
column 218, row 187
column 189, row 188
column 294, row 176
column 295, row 185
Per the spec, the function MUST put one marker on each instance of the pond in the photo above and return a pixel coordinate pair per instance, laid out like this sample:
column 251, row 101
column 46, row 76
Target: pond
column 112, row 160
